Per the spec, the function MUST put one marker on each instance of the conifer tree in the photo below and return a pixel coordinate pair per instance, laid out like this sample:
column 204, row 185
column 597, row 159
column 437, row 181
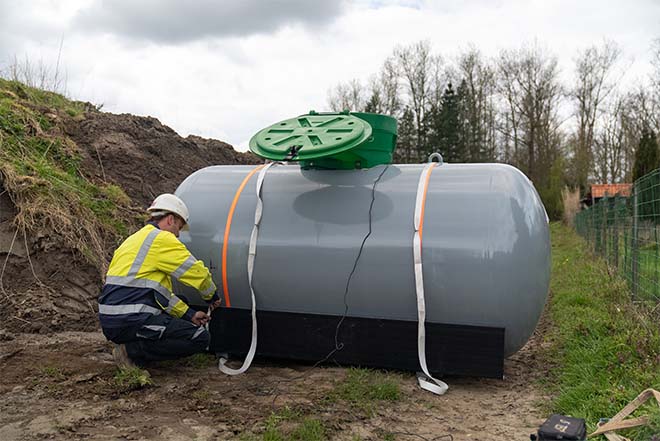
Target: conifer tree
column 449, row 126
column 407, row 150
column 647, row 156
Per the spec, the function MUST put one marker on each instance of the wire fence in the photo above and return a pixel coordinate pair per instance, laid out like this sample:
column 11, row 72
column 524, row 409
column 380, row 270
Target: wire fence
column 625, row 230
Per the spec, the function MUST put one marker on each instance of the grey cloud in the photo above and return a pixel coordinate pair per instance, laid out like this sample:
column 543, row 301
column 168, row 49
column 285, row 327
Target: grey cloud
column 19, row 29
column 173, row 21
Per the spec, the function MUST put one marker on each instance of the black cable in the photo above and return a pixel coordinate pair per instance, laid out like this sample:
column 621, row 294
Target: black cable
column 340, row 346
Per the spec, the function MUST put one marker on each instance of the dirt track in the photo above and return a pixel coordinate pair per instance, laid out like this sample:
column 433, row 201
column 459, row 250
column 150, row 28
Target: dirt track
column 60, row 386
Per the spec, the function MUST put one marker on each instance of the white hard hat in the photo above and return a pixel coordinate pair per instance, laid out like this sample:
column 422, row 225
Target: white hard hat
column 170, row 203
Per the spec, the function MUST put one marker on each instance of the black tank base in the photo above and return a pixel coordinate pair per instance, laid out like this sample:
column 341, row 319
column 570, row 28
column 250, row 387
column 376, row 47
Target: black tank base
column 378, row 343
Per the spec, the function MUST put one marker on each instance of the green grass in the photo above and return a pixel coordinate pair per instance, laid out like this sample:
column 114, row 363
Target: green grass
column 364, row 389
column 53, row 372
column 42, row 98
column 290, row 425
column 127, row 379
column 604, row 349
column 197, row 361
column 648, row 258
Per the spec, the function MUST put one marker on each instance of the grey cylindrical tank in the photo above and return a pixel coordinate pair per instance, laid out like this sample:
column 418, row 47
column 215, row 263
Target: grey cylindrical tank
column 486, row 250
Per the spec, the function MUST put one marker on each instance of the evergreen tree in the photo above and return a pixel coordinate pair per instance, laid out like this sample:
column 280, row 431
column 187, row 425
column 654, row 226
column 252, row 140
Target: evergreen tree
column 449, row 125
column 647, row 156
column 464, row 127
column 374, row 105
column 647, row 159
column 550, row 192
column 407, row 150
column 444, row 128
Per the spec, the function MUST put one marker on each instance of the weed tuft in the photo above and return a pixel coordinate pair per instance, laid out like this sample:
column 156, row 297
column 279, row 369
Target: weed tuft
column 53, row 372
column 364, row 388
column 290, row 425
column 128, row 379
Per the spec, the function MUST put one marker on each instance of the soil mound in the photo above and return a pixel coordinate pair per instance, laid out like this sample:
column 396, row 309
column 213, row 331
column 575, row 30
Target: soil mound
column 143, row 156
column 46, row 285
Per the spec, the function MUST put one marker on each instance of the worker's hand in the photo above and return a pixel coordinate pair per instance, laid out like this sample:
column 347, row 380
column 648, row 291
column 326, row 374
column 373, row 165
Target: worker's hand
column 200, row 318
column 214, row 305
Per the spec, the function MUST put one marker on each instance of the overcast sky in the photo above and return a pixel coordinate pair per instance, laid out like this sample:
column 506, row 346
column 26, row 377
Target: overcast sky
column 225, row 69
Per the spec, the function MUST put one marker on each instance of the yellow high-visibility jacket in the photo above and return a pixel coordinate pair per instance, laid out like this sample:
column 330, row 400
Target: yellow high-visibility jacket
column 139, row 280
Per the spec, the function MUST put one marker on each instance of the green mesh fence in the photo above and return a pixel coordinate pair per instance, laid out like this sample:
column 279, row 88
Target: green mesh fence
column 626, row 232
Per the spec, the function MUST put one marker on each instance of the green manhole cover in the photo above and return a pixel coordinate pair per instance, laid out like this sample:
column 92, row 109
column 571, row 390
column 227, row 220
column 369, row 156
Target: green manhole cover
column 310, row 137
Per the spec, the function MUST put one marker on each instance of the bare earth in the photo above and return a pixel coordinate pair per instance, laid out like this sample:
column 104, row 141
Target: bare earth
column 60, row 386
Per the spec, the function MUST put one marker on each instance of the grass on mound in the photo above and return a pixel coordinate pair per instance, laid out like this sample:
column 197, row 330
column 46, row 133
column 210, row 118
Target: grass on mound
column 604, row 349
column 41, row 171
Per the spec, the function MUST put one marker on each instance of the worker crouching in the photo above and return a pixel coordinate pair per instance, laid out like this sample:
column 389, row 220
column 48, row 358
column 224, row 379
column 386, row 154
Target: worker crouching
column 138, row 291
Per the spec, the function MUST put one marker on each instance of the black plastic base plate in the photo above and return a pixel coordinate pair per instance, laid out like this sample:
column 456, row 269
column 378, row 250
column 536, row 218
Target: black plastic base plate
column 390, row 344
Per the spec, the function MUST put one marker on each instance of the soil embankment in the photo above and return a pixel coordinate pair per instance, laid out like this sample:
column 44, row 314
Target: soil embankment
column 45, row 285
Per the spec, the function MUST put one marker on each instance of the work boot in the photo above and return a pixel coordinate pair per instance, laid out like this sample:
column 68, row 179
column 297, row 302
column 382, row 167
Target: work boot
column 122, row 360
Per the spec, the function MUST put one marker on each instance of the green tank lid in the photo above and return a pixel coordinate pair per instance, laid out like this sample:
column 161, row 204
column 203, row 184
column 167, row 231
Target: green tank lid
column 329, row 140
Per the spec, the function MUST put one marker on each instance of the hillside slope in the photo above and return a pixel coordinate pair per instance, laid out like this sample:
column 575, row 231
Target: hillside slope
column 74, row 181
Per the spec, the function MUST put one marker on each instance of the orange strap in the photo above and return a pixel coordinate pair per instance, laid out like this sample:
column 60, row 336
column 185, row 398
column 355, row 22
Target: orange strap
column 421, row 216
column 225, row 242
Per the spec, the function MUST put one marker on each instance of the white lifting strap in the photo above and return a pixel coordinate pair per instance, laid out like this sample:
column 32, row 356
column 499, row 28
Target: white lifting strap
column 426, row 381
column 252, row 251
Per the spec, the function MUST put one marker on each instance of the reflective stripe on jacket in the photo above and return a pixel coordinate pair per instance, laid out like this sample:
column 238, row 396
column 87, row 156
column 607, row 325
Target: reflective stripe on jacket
column 139, row 279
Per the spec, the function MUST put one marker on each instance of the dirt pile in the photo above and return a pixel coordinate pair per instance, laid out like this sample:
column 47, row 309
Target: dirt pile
column 46, row 284
column 143, row 156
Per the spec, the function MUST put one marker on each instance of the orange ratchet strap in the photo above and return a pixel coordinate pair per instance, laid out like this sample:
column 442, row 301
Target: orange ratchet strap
column 225, row 242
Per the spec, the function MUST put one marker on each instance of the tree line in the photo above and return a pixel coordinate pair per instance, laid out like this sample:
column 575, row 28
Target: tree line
column 515, row 108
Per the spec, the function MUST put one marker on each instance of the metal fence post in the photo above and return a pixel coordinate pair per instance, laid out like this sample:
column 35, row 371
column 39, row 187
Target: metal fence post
column 635, row 245
column 615, row 236
column 606, row 210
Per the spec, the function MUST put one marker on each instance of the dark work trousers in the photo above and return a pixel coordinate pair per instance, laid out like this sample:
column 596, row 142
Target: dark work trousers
column 163, row 337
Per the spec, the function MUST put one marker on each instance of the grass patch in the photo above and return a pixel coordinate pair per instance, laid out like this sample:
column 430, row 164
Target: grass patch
column 200, row 361
column 53, row 372
column 128, row 379
column 197, row 361
column 605, row 350
column 42, row 98
column 363, row 389
column 290, row 425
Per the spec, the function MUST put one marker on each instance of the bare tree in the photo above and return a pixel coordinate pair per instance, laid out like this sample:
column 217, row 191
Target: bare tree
column 385, row 90
column 417, row 67
column 350, row 95
column 594, row 68
column 655, row 61
column 612, row 146
column 478, row 105
column 531, row 91
column 643, row 110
